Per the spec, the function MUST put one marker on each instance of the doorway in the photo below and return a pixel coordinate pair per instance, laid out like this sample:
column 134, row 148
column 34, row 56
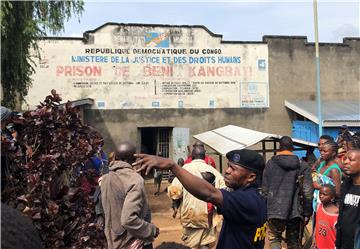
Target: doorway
column 155, row 140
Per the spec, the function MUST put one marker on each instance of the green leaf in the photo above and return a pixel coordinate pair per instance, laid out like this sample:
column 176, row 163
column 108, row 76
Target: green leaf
column 22, row 24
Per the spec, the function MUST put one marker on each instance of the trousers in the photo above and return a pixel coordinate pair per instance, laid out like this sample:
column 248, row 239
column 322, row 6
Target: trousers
column 292, row 238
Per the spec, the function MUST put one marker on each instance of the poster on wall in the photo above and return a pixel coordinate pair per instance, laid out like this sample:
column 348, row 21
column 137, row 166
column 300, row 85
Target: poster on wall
column 138, row 66
column 180, row 140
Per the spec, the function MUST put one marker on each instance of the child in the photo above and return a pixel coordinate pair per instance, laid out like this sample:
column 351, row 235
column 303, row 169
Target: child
column 175, row 203
column 210, row 178
column 158, row 175
column 326, row 218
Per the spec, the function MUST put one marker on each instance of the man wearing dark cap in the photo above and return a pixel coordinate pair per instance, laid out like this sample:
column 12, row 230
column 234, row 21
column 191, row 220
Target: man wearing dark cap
column 126, row 208
column 284, row 180
column 243, row 208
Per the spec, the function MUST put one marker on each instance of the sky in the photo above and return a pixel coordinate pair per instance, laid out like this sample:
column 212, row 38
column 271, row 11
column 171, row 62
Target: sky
column 236, row 20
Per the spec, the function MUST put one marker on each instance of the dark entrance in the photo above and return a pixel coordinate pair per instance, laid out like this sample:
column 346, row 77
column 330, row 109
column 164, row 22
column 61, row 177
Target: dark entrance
column 155, row 139
column 148, row 140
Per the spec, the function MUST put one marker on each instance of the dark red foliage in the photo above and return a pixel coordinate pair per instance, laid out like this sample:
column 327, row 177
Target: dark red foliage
column 44, row 174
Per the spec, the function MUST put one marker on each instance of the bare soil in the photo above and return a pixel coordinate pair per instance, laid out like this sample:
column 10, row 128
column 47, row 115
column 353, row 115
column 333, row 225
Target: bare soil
column 170, row 228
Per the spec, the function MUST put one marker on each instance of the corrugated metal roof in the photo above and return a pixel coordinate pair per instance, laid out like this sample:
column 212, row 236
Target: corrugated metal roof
column 334, row 113
column 231, row 137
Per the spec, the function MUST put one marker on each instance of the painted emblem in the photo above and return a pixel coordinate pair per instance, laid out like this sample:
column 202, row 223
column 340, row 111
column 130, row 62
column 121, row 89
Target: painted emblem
column 236, row 158
column 160, row 40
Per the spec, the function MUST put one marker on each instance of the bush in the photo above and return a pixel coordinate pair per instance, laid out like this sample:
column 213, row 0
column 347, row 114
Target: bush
column 44, row 172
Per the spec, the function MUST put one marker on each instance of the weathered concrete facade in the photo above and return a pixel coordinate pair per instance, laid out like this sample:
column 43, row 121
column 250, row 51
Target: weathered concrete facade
column 291, row 76
column 118, row 125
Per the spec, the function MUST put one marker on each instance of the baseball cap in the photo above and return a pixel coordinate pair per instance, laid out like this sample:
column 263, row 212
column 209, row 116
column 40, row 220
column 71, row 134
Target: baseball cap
column 247, row 159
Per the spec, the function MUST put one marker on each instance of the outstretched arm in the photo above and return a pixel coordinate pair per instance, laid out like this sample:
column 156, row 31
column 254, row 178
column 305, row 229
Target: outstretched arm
column 198, row 187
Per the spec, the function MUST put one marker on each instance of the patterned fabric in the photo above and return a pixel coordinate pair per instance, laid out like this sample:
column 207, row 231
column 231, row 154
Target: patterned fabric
column 322, row 179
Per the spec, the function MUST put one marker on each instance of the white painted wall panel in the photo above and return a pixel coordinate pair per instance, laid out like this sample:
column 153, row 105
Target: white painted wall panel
column 139, row 67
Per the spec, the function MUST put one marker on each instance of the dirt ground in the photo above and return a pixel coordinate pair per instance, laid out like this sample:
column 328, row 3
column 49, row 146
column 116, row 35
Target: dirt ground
column 170, row 228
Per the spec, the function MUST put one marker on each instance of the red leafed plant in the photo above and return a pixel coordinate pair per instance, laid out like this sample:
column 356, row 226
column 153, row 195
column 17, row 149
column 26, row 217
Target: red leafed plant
column 43, row 179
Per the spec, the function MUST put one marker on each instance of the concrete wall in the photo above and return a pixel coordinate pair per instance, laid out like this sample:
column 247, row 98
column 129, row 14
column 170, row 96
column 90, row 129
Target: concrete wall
column 117, row 125
column 128, row 66
column 291, row 77
column 289, row 74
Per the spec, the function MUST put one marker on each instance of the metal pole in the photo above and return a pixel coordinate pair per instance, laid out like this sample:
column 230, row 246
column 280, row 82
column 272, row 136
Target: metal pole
column 220, row 162
column 264, row 150
column 317, row 59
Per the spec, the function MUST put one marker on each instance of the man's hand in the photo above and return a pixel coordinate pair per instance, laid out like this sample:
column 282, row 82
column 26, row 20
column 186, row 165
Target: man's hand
column 196, row 186
column 147, row 162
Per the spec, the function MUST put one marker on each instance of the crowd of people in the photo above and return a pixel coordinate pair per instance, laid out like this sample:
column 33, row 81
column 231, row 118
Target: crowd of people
column 261, row 200
column 250, row 202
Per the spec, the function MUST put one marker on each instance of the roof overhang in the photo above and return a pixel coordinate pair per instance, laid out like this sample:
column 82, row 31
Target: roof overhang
column 231, row 137
column 334, row 113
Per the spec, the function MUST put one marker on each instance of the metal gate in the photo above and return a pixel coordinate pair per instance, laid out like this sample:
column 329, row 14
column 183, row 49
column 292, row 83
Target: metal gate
column 163, row 141
column 163, row 145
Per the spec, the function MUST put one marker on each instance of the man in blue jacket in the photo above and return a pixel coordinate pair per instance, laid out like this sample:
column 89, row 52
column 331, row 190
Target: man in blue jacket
column 243, row 208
